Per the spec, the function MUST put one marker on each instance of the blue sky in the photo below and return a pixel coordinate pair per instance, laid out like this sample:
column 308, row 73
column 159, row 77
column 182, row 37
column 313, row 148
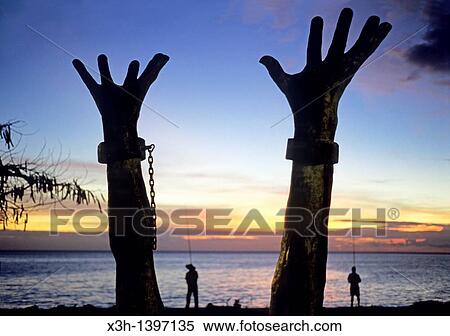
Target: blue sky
column 394, row 119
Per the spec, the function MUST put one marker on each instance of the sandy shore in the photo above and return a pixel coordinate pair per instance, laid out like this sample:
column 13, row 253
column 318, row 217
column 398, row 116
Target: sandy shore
column 418, row 308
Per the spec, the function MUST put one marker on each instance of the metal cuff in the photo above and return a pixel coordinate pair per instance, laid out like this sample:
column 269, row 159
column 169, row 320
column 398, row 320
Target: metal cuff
column 312, row 153
column 108, row 153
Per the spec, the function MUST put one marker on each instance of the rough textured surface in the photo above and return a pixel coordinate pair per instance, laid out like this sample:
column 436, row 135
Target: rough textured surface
column 119, row 106
column 136, row 284
column 313, row 95
column 300, row 274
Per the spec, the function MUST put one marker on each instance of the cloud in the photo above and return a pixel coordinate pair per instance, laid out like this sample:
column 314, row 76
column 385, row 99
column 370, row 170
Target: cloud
column 208, row 182
column 414, row 75
column 399, row 237
column 386, row 74
column 281, row 13
column 383, row 181
column 444, row 82
column 433, row 53
column 399, row 7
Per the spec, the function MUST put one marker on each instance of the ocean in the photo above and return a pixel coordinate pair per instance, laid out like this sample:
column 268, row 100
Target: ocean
column 47, row 279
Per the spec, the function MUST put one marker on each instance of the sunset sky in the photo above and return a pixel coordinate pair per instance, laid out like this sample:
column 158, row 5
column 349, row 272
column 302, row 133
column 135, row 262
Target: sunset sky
column 222, row 140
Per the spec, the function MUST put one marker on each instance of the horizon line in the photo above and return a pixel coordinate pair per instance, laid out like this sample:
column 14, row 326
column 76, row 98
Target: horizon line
column 237, row 251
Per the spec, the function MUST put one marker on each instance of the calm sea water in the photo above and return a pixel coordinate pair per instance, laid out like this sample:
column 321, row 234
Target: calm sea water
column 47, row 279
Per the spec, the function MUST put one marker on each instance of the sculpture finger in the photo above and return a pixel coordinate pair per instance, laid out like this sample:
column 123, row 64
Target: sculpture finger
column 276, row 72
column 85, row 76
column 152, row 69
column 363, row 42
column 133, row 70
column 103, row 67
column 340, row 36
column 381, row 33
column 314, row 49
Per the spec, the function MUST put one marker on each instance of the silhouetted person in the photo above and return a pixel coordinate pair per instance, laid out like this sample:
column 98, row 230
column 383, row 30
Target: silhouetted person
column 354, row 280
column 191, row 280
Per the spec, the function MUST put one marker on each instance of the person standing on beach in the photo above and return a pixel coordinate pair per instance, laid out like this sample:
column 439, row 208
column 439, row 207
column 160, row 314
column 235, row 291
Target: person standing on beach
column 191, row 280
column 354, row 280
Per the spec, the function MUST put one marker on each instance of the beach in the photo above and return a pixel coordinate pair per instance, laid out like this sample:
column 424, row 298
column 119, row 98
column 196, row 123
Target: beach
column 427, row 308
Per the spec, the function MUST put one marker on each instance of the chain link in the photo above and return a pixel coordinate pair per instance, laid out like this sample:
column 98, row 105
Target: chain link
column 151, row 183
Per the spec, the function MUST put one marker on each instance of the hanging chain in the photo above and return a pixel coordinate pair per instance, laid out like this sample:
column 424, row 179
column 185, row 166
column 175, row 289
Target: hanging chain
column 151, row 183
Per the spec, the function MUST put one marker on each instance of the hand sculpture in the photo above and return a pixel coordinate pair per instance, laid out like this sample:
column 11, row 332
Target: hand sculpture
column 136, row 284
column 313, row 94
column 120, row 105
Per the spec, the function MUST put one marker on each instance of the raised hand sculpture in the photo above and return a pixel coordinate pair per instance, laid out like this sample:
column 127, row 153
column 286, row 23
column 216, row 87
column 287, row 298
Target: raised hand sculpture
column 313, row 95
column 119, row 106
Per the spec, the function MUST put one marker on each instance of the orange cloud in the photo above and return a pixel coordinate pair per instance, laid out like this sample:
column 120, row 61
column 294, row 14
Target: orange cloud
column 219, row 237
column 418, row 228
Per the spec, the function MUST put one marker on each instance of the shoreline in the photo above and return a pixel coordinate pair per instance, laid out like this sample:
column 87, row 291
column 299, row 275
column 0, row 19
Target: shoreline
column 425, row 308
column 230, row 251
